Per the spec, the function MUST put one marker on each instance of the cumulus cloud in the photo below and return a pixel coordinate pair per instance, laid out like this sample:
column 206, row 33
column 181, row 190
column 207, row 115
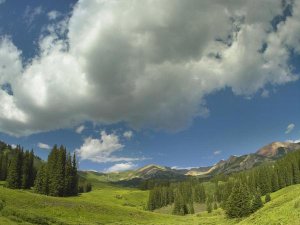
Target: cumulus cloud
column 80, row 129
column 148, row 63
column 290, row 128
column 102, row 150
column 43, row 146
column 121, row 167
column 128, row 134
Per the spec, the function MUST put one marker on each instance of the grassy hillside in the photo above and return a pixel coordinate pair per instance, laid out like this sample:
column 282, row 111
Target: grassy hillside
column 114, row 205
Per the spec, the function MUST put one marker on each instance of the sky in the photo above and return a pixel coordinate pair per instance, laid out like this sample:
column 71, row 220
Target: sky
column 130, row 83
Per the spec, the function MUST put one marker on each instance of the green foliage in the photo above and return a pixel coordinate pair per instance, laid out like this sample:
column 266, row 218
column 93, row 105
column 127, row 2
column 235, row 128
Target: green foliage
column 257, row 202
column 215, row 205
column 239, row 201
column 267, row 198
column 199, row 193
column 2, row 204
column 58, row 177
column 209, row 207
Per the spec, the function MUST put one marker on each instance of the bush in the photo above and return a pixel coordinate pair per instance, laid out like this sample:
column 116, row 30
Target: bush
column 2, row 204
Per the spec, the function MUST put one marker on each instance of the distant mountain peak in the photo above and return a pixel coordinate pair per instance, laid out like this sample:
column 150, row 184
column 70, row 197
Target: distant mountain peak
column 277, row 148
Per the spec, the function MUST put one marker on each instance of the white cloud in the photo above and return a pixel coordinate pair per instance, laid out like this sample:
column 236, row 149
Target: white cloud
column 2, row 1
column 43, row 145
column 290, row 128
column 121, row 167
column 128, row 134
column 120, row 63
column 31, row 13
column 217, row 152
column 265, row 94
column 80, row 129
column 294, row 141
column 102, row 150
column 182, row 168
column 52, row 15
column 13, row 145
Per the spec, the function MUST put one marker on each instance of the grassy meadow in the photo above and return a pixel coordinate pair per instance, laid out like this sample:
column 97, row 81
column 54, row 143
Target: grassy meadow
column 108, row 204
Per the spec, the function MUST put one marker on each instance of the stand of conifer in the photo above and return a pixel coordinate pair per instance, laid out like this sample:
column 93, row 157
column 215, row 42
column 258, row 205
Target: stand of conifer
column 58, row 177
column 20, row 172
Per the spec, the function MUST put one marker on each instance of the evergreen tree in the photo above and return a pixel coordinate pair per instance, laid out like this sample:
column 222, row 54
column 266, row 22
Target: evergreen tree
column 209, row 204
column 58, row 177
column 274, row 180
column 296, row 172
column 74, row 177
column 26, row 171
column 41, row 181
column 180, row 207
column 200, row 195
column 14, row 176
column 257, row 202
column 239, row 201
column 215, row 205
column 4, row 167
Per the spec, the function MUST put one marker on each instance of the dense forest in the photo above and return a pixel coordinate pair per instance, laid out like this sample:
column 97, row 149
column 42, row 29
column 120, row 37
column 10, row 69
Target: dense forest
column 239, row 194
column 56, row 177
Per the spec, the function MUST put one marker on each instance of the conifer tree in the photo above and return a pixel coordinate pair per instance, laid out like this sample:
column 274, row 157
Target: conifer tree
column 4, row 167
column 209, row 205
column 41, row 183
column 239, row 201
column 257, row 202
column 274, row 180
column 215, row 205
column 26, row 171
column 14, row 176
column 74, row 177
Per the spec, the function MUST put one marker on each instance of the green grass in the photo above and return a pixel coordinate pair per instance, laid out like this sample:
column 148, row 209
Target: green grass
column 115, row 205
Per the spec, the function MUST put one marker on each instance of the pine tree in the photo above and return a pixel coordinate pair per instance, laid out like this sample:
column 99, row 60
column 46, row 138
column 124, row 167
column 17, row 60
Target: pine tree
column 215, row 205
column 4, row 167
column 274, row 181
column 257, row 202
column 74, row 177
column 32, row 171
column 26, row 171
column 239, row 201
column 68, row 176
column 296, row 172
column 14, row 176
column 41, row 181
column 209, row 205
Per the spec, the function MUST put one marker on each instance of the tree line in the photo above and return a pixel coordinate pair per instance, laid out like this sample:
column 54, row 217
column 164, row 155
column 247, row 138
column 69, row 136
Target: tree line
column 56, row 177
column 17, row 167
column 238, row 194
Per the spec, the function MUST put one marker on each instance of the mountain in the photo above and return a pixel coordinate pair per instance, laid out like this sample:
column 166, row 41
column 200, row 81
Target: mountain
column 277, row 149
column 268, row 153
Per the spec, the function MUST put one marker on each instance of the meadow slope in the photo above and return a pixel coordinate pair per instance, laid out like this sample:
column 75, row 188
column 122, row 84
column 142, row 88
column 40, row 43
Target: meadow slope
column 114, row 205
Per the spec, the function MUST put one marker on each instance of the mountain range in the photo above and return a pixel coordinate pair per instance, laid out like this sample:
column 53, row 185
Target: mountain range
column 268, row 153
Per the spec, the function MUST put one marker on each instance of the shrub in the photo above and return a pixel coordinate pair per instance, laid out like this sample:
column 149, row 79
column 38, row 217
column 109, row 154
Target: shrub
column 267, row 198
column 2, row 204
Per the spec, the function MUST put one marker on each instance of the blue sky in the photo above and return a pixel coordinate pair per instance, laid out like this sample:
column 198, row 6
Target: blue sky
column 179, row 94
